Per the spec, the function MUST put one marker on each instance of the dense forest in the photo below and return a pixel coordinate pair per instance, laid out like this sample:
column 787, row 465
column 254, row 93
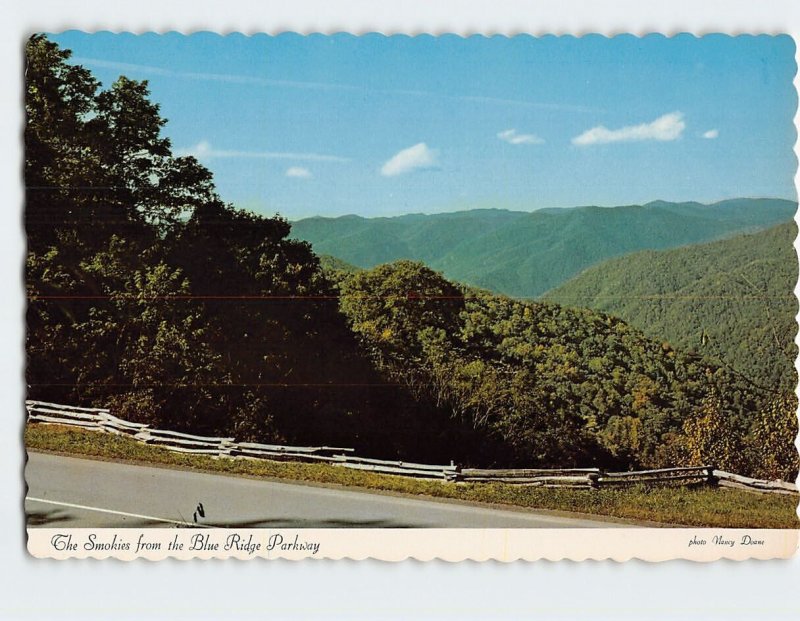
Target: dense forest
column 731, row 300
column 556, row 385
column 525, row 254
column 148, row 294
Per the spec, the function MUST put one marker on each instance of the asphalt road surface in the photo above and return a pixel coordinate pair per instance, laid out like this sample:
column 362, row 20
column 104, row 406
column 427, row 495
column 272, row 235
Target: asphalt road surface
column 84, row 493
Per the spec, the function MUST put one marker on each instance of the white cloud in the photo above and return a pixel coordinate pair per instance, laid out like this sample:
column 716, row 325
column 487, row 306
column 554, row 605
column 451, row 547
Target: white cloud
column 418, row 157
column 665, row 128
column 204, row 151
column 512, row 137
column 298, row 172
column 711, row 134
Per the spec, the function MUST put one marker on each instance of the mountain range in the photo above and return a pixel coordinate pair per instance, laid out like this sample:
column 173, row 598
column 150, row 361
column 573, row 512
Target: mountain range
column 526, row 254
column 729, row 300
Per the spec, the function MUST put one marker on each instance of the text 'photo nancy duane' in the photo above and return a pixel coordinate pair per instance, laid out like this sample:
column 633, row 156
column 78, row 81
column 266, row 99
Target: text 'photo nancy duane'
column 339, row 296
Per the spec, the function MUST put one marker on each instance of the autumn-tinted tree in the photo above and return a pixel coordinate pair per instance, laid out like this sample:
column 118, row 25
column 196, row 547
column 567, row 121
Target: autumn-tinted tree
column 772, row 439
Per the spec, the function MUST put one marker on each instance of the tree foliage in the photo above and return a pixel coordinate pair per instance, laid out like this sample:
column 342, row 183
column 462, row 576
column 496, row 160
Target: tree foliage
column 149, row 294
column 730, row 300
column 563, row 386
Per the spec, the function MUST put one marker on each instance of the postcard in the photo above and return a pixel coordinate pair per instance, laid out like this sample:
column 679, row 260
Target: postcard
column 433, row 297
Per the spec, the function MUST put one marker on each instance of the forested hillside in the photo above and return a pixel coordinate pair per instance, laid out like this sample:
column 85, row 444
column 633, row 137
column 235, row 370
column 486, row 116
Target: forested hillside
column 526, row 254
column 556, row 385
column 148, row 294
column 731, row 300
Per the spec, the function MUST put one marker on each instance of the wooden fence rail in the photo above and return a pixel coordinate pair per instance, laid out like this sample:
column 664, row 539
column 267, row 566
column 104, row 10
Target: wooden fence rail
column 662, row 476
column 112, row 424
column 186, row 443
column 728, row 479
column 581, row 478
column 382, row 466
column 282, row 452
column 41, row 411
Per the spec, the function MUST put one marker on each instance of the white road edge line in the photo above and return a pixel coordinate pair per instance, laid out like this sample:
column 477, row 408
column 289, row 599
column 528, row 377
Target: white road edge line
column 99, row 510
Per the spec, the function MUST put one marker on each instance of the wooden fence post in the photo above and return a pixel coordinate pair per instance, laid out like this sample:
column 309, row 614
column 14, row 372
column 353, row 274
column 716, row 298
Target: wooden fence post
column 712, row 480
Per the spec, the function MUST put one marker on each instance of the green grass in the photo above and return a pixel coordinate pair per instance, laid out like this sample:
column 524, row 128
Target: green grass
column 703, row 506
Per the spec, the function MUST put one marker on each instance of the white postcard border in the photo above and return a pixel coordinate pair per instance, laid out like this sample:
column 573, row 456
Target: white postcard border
column 507, row 591
column 422, row 544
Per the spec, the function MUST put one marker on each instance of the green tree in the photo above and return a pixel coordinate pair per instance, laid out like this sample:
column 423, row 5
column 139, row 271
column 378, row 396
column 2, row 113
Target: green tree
column 397, row 308
column 148, row 179
column 772, row 439
column 712, row 438
column 63, row 176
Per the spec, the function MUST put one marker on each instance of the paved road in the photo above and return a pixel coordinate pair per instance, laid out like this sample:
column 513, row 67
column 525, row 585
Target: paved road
column 82, row 493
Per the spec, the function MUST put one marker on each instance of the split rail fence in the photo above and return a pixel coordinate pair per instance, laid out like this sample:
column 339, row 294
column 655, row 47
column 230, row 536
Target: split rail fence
column 580, row 478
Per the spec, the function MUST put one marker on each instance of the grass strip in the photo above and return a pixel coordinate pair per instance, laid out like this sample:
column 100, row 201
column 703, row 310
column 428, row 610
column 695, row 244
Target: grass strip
column 702, row 506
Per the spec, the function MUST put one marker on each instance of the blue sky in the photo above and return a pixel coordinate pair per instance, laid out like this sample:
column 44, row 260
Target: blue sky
column 332, row 125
